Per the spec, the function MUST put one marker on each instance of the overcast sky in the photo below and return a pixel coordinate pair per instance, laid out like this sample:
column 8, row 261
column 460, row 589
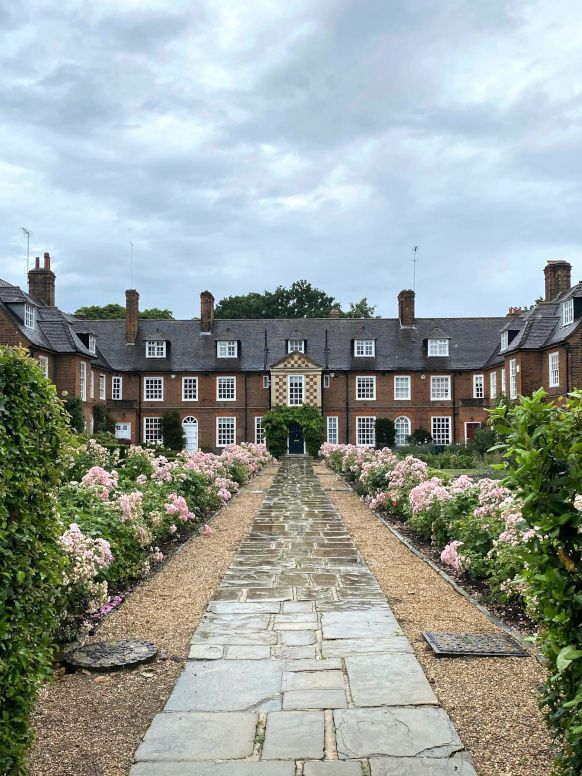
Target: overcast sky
column 243, row 144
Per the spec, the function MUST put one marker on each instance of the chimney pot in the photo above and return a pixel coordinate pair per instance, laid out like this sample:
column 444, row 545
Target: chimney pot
column 406, row 307
column 131, row 315
column 335, row 312
column 558, row 278
column 41, row 281
column 206, row 312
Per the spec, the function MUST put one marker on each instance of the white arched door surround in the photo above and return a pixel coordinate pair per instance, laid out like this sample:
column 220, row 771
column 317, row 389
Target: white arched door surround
column 190, row 426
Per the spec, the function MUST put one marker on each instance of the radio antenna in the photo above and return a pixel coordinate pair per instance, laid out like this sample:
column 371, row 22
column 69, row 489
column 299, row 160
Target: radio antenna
column 414, row 260
column 27, row 232
column 131, row 266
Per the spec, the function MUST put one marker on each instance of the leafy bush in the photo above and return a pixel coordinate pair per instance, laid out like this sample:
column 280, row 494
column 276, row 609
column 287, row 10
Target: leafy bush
column 543, row 449
column 276, row 423
column 33, row 430
column 172, row 431
column 420, row 436
column 385, row 433
column 484, row 439
column 103, row 422
column 74, row 408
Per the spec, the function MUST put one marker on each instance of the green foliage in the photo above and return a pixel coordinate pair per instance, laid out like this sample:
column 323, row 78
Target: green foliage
column 172, row 431
column 420, row 436
column 103, row 422
column 543, row 449
column 116, row 311
column 385, row 433
column 277, row 421
column 361, row 309
column 74, row 407
column 485, row 439
column 449, row 457
column 33, row 430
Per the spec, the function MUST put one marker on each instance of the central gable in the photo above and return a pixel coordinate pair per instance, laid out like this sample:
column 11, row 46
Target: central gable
column 294, row 361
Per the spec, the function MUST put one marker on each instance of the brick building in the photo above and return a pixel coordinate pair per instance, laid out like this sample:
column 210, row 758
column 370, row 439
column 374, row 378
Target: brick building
column 223, row 375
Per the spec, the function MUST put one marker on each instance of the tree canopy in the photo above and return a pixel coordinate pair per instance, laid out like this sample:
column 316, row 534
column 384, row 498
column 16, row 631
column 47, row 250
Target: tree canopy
column 300, row 300
column 110, row 311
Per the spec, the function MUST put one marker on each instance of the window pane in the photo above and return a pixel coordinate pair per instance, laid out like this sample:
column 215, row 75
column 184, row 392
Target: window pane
column 402, row 387
column 227, row 348
column 295, row 389
column 116, row 388
column 402, row 427
column 225, row 431
column 441, row 431
column 226, row 388
column 365, row 387
column 296, row 346
column 152, row 430
column 366, row 431
column 153, row 388
column 440, row 387
column 364, row 347
column 478, row 387
column 438, row 347
column 189, row 388
column 259, row 431
column 332, row 430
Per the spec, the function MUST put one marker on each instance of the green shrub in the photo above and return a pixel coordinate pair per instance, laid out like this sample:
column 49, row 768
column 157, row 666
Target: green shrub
column 172, row 431
column 385, row 433
column 74, row 408
column 543, row 448
column 33, row 430
column 103, row 422
column 276, row 423
column 420, row 436
column 484, row 439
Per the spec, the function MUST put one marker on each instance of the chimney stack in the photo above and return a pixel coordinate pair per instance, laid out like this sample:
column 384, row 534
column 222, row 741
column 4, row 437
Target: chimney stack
column 515, row 311
column 206, row 312
column 558, row 278
column 131, row 316
column 335, row 312
column 406, row 307
column 41, row 281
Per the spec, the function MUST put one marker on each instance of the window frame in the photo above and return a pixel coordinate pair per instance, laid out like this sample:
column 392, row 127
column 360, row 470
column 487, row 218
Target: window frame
column 193, row 380
column 92, row 384
column 155, row 348
column 83, row 380
column 148, row 381
column 44, row 364
column 436, row 344
column 450, row 428
column 158, row 424
column 433, row 378
column 504, row 340
column 554, row 369
column 259, row 430
column 92, row 347
column 266, row 381
column 218, row 422
column 102, row 387
column 513, row 378
column 291, row 349
column 225, row 346
column 330, row 432
column 365, row 345
column 478, row 386
column 493, row 385
column 371, row 378
column 29, row 316
column 568, row 312
column 326, row 381
column 117, row 387
column 407, row 419
column 301, row 379
column 220, row 379
column 409, row 383
column 359, row 430
column 504, row 382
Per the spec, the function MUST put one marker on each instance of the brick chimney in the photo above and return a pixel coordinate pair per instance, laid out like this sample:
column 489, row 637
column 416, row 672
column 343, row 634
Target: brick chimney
column 515, row 311
column 131, row 316
column 558, row 278
column 41, row 281
column 335, row 312
column 406, row 307
column 206, row 312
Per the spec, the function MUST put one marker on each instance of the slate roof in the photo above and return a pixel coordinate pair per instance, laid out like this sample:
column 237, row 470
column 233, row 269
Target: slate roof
column 329, row 342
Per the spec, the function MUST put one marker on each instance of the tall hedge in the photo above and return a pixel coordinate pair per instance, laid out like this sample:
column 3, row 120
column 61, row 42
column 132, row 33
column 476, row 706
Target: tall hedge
column 543, row 447
column 276, row 423
column 33, row 428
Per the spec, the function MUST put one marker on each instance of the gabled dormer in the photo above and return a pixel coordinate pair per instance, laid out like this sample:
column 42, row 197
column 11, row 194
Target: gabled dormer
column 364, row 344
column 437, row 343
column 157, row 345
column 296, row 343
column 88, row 339
column 227, row 345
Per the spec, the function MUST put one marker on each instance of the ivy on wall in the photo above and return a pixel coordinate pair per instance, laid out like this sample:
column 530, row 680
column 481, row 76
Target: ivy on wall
column 276, row 423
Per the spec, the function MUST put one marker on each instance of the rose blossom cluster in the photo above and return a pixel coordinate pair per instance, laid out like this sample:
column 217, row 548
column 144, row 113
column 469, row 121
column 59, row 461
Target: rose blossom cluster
column 177, row 506
column 423, row 496
column 131, row 507
column 450, row 556
column 101, row 481
column 87, row 558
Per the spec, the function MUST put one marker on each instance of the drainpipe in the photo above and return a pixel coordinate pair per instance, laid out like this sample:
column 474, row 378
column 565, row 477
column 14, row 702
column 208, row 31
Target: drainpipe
column 246, row 411
column 455, row 411
column 347, row 408
column 139, row 395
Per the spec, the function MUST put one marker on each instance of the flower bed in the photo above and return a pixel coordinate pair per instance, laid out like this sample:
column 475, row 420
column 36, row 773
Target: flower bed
column 119, row 512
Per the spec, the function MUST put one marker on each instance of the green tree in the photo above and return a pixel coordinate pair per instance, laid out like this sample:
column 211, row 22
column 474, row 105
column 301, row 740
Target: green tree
column 300, row 300
column 103, row 422
column 172, row 431
column 385, row 433
column 74, row 408
column 361, row 309
column 116, row 311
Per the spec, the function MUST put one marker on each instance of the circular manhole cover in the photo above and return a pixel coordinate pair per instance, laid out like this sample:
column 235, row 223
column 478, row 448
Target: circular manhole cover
column 110, row 655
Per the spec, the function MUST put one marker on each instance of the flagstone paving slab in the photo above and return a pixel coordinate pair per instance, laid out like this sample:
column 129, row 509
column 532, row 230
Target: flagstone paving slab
column 299, row 663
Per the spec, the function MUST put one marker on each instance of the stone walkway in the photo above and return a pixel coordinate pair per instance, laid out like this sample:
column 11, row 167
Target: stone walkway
column 299, row 667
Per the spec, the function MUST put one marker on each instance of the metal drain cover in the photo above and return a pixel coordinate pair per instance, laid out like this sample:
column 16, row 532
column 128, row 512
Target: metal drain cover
column 475, row 644
column 110, row 655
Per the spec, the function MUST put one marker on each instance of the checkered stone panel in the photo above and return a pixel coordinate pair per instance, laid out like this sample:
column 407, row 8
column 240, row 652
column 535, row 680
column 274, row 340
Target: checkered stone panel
column 280, row 389
column 311, row 389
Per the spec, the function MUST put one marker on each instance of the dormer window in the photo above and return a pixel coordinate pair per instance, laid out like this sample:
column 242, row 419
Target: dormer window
column 227, row 349
column 92, row 343
column 567, row 312
column 504, row 339
column 295, row 346
column 364, row 348
column 438, row 347
column 29, row 316
column 156, row 349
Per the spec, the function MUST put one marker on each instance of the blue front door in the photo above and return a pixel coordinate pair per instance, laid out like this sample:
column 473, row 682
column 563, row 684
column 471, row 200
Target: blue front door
column 296, row 445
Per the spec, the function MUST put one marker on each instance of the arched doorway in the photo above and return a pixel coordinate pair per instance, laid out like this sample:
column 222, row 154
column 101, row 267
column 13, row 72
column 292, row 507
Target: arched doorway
column 402, row 428
column 190, row 426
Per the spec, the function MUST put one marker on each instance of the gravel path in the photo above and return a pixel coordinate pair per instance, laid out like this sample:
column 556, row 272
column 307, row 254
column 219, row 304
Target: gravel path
column 89, row 725
column 492, row 701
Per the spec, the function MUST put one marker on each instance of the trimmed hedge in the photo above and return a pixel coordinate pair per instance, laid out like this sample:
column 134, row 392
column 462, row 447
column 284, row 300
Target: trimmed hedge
column 276, row 423
column 33, row 429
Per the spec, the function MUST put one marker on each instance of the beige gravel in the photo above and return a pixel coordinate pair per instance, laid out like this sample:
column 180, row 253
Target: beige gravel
column 492, row 701
column 90, row 725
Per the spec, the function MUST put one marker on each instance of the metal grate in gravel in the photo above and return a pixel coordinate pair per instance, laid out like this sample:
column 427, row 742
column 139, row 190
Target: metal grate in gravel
column 474, row 644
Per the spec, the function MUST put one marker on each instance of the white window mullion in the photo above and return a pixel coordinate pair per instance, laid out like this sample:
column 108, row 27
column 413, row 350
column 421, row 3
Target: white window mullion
column 332, row 429
column 554, row 367
column 493, row 385
column 440, row 387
